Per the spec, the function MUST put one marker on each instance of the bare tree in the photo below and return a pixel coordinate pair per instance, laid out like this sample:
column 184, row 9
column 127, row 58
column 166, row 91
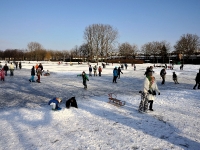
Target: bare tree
column 100, row 39
column 187, row 45
column 125, row 49
column 34, row 48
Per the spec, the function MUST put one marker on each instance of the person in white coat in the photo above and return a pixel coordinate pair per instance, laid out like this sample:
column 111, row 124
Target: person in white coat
column 151, row 89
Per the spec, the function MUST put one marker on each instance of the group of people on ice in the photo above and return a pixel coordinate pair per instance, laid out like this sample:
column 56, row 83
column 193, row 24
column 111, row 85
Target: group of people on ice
column 4, row 70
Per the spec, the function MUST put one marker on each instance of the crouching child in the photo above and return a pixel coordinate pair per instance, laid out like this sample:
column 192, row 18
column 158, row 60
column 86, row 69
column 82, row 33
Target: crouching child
column 55, row 103
column 71, row 103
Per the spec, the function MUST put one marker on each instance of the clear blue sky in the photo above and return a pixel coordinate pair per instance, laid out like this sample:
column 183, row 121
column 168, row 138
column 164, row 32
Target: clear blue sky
column 60, row 24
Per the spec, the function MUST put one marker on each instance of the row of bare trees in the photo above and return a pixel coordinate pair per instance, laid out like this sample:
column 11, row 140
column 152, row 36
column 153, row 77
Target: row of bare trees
column 101, row 41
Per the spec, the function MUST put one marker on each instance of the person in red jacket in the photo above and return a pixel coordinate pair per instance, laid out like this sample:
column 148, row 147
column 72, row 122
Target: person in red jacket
column 100, row 70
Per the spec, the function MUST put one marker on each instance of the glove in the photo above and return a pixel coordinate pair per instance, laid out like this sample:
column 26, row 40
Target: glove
column 149, row 92
column 159, row 93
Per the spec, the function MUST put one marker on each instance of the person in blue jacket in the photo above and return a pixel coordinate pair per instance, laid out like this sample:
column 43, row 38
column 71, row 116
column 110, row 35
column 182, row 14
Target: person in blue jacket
column 54, row 103
column 115, row 75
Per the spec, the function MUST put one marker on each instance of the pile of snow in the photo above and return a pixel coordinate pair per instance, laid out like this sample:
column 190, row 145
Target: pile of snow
column 27, row 122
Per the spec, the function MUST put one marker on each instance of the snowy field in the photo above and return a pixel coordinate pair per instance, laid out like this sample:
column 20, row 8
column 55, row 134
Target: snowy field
column 28, row 123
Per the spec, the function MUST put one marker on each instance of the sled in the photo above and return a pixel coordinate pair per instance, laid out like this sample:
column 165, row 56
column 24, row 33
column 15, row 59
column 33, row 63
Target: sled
column 114, row 100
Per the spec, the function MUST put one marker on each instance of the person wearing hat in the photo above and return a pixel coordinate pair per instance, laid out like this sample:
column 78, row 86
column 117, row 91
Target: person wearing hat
column 115, row 75
column 197, row 79
column 85, row 79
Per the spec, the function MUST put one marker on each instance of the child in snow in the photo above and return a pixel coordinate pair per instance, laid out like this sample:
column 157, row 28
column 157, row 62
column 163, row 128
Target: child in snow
column 175, row 78
column 85, row 79
column 32, row 74
column 39, row 72
column 2, row 74
column 100, row 70
column 47, row 73
column 197, row 79
column 115, row 74
column 149, row 92
column 119, row 71
column 54, row 103
column 71, row 103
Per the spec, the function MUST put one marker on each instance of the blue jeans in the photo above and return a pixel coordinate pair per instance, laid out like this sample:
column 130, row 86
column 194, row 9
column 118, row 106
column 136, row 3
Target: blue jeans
column 32, row 78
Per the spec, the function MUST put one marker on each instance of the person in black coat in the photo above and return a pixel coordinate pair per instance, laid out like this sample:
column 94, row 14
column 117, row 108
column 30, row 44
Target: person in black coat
column 71, row 103
column 5, row 68
column 119, row 71
column 32, row 74
column 197, row 79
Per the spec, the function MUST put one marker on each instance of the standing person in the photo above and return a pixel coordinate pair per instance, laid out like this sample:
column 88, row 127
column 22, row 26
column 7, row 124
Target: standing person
column 32, row 74
column 119, row 71
column 175, row 78
column 197, row 79
column 126, row 65
column 100, row 70
column 11, row 67
column 85, row 79
column 153, row 88
column 16, row 65
column 20, row 65
column 134, row 67
column 148, row 95
column 95, row 70
column 163, row 74
column 41, row 68
column 90, row 70
column 39, row 72
column 2, row 74
column 115, row 74
column 5, row 69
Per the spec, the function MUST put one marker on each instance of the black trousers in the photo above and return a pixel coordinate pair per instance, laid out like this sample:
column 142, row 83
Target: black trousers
column 163, row 79
column 151, row 104
column 114, row 79
column 197, row 83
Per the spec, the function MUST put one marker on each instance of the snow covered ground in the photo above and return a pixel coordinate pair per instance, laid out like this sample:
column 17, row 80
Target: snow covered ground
column 28, row 123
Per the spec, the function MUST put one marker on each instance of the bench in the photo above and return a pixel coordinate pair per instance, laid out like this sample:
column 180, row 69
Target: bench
column 114, row 100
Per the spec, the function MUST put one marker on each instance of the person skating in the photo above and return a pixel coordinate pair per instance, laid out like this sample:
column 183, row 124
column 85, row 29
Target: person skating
column 115, row 74
column 119, row 71
column 175, row 78
column 32, row 74
column 197, row 79
column 163, row 74
column 85, row 79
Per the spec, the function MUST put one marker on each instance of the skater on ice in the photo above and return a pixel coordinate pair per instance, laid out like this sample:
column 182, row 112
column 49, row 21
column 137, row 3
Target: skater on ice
column 175, row 78
column 85, row 79
column 197, row 79
column 163, row 74
column 119, row 71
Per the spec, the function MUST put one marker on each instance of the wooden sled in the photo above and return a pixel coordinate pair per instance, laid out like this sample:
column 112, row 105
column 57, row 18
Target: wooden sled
column 114, row 100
